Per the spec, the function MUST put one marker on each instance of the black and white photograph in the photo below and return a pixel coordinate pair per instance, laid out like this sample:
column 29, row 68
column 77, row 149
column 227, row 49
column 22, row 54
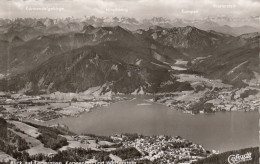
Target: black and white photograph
column 129, row 81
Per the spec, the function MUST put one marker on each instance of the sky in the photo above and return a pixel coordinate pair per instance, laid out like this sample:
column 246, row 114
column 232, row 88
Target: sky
column 138, row 9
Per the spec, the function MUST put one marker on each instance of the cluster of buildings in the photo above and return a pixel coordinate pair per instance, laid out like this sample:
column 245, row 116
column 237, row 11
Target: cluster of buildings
column 166, row 149
column 231, row 100
column 225, row 99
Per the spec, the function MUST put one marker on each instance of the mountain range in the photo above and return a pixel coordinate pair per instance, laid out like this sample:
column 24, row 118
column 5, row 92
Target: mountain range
column 46, row 55
column 232, row 26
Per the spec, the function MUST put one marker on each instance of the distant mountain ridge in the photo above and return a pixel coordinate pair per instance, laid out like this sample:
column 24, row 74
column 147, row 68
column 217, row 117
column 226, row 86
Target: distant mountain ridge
column 232, row 26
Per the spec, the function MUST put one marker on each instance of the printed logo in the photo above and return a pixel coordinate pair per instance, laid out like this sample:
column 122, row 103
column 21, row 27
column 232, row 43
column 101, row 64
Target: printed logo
column 235, row 159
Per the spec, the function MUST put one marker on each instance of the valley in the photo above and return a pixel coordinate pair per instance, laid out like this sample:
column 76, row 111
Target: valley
column 202, row 96
column 81, row 90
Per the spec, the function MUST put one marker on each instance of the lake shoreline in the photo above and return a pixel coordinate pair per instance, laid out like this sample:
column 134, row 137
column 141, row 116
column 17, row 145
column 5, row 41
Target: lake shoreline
column 129, row 117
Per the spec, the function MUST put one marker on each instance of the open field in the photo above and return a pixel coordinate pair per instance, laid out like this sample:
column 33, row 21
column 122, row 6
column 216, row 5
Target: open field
column 5, row 157
column 35, row 145
column 195, row 80
column 75, row 144
column 27, row 129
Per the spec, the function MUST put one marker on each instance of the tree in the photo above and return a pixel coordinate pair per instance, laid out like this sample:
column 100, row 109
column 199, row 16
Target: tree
column 3, row 131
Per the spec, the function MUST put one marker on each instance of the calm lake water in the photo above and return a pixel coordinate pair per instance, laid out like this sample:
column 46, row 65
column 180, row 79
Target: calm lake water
column 220, row 131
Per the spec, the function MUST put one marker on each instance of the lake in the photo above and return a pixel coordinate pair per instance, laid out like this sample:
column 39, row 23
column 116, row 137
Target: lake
column 221, row 131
